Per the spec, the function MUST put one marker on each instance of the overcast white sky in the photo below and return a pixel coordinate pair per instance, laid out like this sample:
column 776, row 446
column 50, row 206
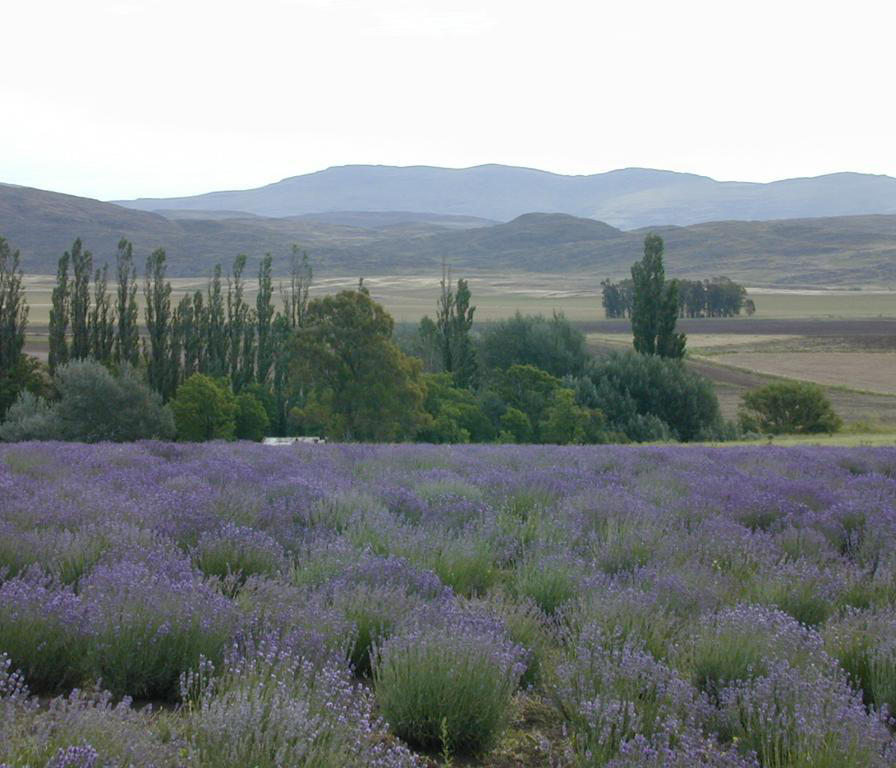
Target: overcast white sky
column 125, row 98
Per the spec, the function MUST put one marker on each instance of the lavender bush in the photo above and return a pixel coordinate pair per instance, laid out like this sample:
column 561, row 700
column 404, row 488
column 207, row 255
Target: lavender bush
column 445, row 681
column 576, row 606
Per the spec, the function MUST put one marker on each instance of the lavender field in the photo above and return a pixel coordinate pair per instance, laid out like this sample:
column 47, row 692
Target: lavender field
column 236, row 605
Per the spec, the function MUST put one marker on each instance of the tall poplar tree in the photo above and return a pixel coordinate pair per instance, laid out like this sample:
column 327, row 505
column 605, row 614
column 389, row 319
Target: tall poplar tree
column 264, row 316
column 295, row 298
column 102, row 318
column 82, row 270
column 454, row 319
column 59, row 314
column 655, row 304
column 14, row 368
column 185, row 320
column 237, row 313
column 157, row 345
column 127, row 340
column 215, row 328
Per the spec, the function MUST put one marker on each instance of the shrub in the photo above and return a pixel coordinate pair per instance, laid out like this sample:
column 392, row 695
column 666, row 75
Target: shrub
column 549, row 582
column 89, row 731
column 466, row 564
column 251, row 422
column 271, row 708
column 551, row 344
column 95, row 406
column 149, row 623
column 238, row 551
column 742, row 643
column 43, row 630
column 611, row 693
column 865, row 646
column 204, row 410
column 375, row 595
column 791, row 719
column 788, row 406
column 29, row 418
column 446, row 680
column 649, row 397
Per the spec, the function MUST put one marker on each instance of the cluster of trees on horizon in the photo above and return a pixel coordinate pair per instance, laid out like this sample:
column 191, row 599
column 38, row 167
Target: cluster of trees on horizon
column 213, row 367
column 712, row 297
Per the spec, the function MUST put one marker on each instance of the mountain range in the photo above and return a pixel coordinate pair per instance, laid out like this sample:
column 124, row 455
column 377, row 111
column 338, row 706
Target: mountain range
column 857, row 250
column 630, row 198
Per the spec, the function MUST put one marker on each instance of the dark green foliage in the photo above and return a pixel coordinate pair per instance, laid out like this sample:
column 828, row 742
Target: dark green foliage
column 650, row 398
column 59, row 314
column 456, row 415
column 215, row 325
column 787, row 407
column 264, row 315
column 156, row 348
column 718, row 297
column 654, row 305
column 237, row 320
column 187, row 333
column 93, row 406
column 251, row 422
column 82, row 268
column 127, row 341
column 550, row 344
column 357, row 384
column 450, row 333
column 101, row 325
column 204, row 409
column 13, row 320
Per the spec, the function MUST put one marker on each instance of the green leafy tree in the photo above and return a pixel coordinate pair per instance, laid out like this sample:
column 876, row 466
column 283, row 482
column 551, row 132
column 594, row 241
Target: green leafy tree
column 788, row 407
column 251, row 421
column 82, row 268
column 127, row 340
column 451, row 332
column 295, row 296
column 516, row 427
column 650, row 398
column 455, row 413
column 101, row 325
column 14, row 368
column 548, row 343
column 655, row 305
column 565, row 421
column 157, row 347
column 216, row 347
column 237, row 320
column 264, row 317
column 204, row 409
column 59, row 316
column 353, row 377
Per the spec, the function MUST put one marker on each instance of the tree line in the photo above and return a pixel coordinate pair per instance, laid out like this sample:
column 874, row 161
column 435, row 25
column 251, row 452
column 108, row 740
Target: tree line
column 712, row 297
column 214, row 366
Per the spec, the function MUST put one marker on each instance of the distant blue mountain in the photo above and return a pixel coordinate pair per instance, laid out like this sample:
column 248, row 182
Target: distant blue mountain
column 628, row 198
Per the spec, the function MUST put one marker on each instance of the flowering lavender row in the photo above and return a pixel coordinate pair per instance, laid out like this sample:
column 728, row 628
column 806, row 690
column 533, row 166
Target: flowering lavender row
column 336, row 605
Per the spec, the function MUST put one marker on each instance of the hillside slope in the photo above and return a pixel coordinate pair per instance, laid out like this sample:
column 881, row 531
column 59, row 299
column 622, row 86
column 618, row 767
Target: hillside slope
column 627, row 198
column 844, row 251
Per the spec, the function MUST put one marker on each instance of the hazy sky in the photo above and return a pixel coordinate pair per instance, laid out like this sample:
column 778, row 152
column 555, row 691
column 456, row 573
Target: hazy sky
column 122, row 98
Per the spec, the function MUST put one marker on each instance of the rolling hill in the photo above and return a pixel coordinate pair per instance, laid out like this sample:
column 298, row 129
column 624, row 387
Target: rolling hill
column 629, row 198
column 841, row 251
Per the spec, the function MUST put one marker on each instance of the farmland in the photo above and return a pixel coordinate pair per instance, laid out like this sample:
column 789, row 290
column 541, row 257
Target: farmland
column 416, row 605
